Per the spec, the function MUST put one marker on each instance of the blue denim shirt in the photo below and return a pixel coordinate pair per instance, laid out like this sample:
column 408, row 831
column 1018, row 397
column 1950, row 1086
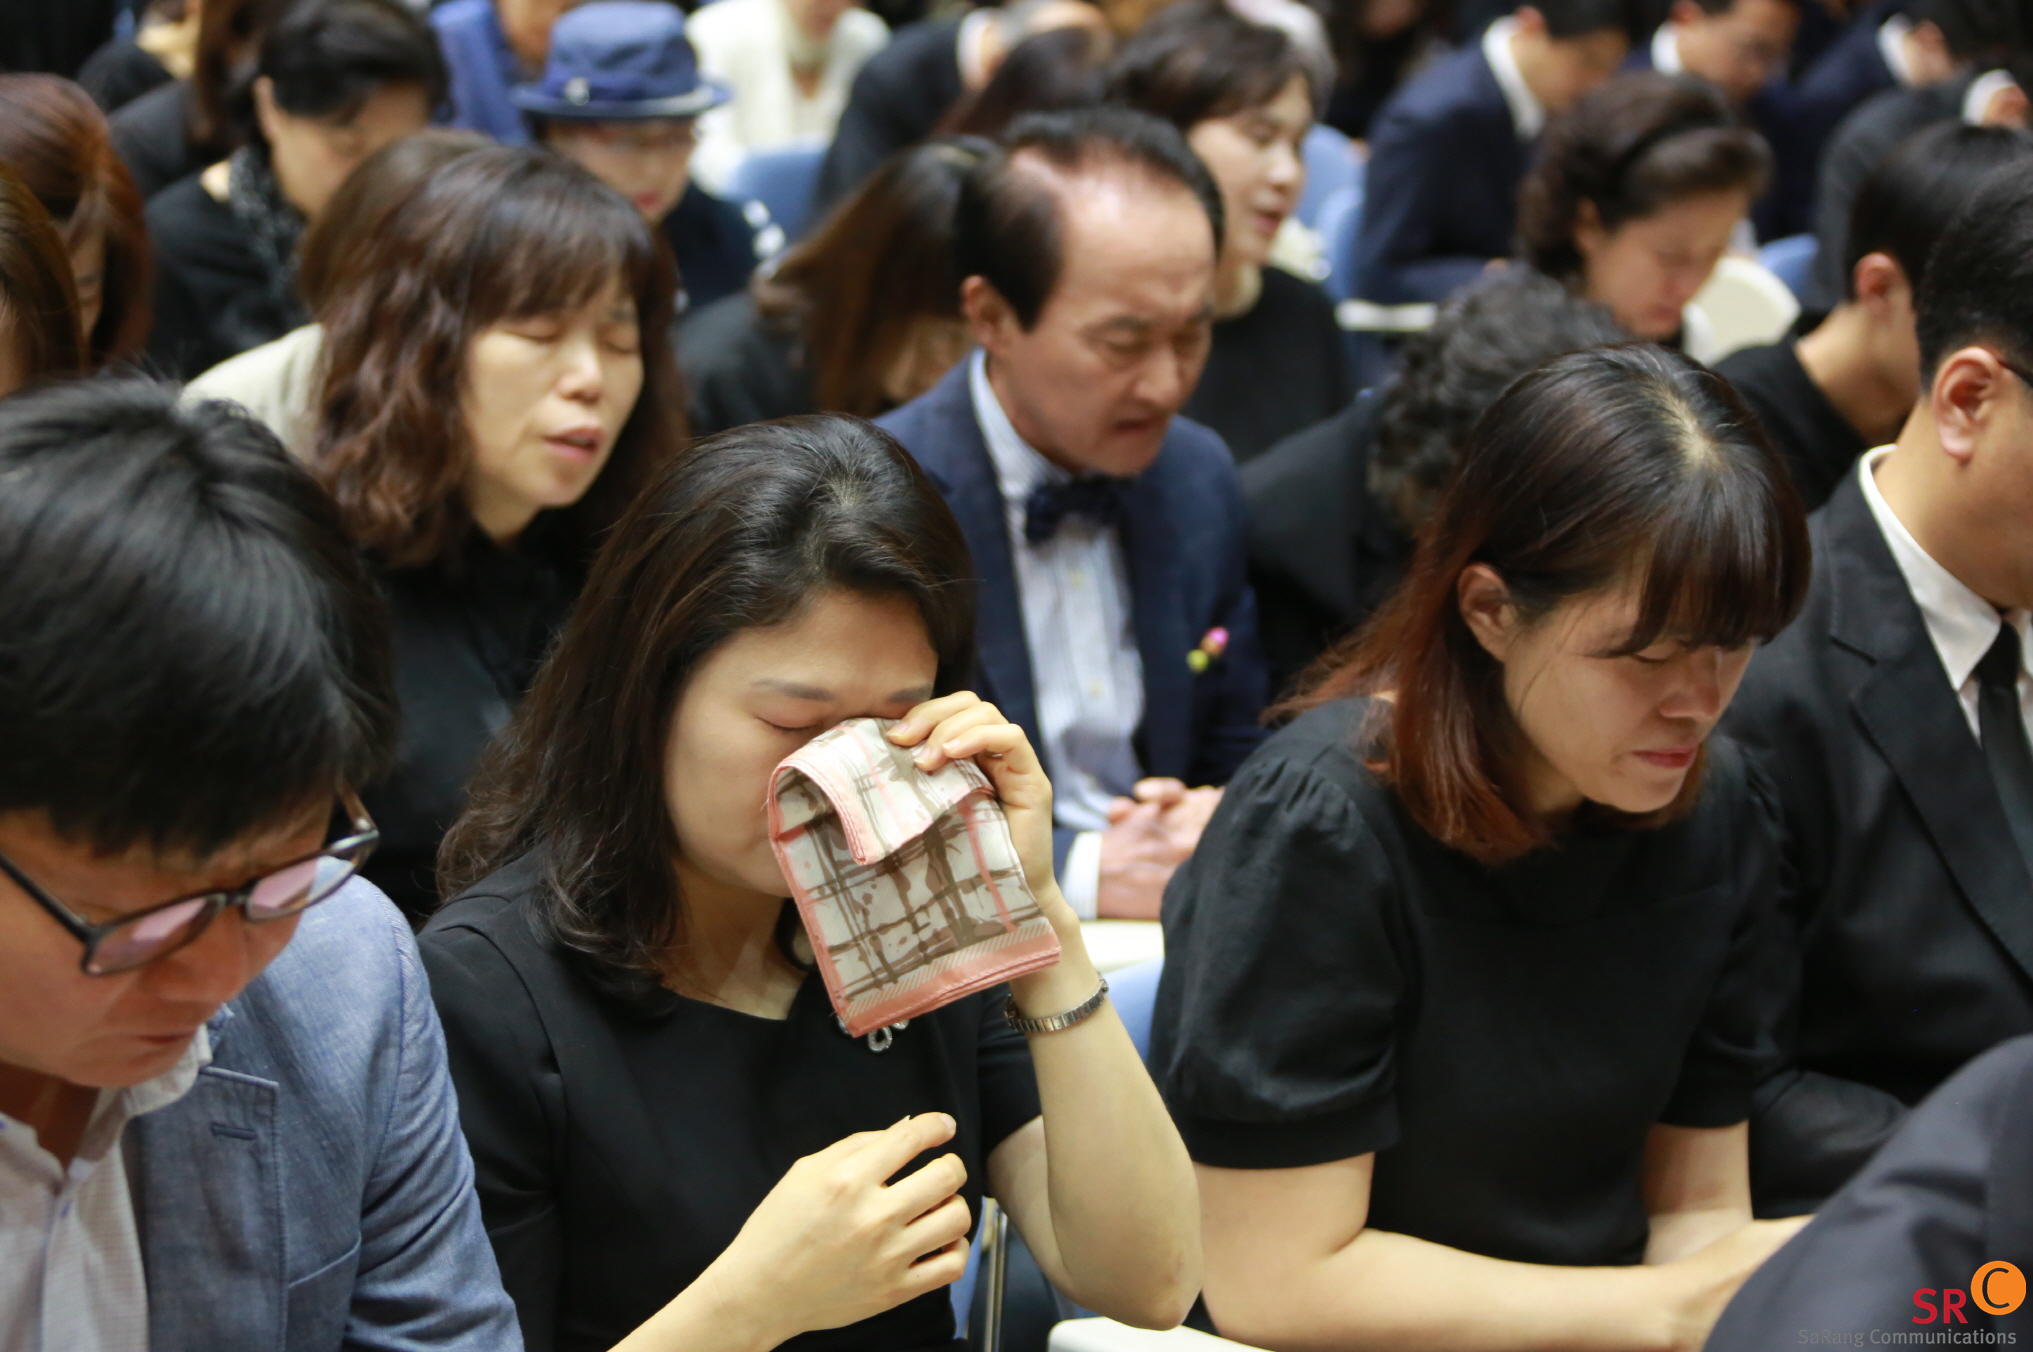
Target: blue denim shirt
column 313, row 1191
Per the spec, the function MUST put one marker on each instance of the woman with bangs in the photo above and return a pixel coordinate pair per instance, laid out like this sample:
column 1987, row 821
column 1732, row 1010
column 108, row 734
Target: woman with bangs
column 495, row 383
column 1465, row 986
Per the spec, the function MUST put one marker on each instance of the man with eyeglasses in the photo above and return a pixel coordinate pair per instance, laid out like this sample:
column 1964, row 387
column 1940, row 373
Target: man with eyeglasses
column 1892, row 719
column 225, row 1120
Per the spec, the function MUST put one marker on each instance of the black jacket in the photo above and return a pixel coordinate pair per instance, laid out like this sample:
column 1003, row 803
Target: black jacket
column 1323, row 553
column 740, row 368
column 1911, row 912
column 467, row 644
column 1902, row 1246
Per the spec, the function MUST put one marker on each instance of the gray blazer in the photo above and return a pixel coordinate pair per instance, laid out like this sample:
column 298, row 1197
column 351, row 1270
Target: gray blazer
column 313, row 1192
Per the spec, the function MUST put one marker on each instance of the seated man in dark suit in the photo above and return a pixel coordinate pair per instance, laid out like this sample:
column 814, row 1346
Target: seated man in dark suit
column 1991, row 42
column 225, row 1116
column 1449, row 149
column 1741, row 47
column 1332, row 509
column 1928, row 1234
column 1116, row 623
column 1848, row 385
column 1891, row 719
column 898, row 98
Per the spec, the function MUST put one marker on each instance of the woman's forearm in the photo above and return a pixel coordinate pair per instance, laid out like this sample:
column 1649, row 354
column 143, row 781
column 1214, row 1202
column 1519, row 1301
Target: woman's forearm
column 1391, row 1291
column 1122, row 1221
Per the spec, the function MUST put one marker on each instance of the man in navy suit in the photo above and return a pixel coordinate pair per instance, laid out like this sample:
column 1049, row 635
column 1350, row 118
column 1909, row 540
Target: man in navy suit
column 1742, row 47
column 1116, row 621
column 1448, row 151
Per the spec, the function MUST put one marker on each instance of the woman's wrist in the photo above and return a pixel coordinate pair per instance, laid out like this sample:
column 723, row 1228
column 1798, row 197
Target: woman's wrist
column 708, row 1314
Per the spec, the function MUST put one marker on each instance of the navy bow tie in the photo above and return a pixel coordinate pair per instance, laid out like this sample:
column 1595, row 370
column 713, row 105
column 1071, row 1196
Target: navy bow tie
column 1100, row 500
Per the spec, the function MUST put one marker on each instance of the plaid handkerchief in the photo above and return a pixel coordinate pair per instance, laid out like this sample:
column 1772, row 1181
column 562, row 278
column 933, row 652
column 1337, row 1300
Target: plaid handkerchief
column 908, row 883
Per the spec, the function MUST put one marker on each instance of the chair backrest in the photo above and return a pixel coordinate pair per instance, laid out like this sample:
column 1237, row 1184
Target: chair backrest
column 781, row 180
column 1744, row 306
column 1791, row 260
column 1134, row 993
column 1332, row 163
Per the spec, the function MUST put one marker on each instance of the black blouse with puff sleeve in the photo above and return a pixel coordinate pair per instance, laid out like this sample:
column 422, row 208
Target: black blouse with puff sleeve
column 1337, row 983
column 617, row 1155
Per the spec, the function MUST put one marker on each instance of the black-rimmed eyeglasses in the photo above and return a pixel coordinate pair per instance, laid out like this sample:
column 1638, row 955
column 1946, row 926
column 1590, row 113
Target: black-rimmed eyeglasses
column 141, row 937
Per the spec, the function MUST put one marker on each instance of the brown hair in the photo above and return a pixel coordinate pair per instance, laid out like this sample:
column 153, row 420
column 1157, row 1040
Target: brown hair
column 1615, row 464
column 222, row 69
column 1199, row 59
column 1633, row 146
column 499, row 233
column 38, row 303
column 54, row 139
column 741, row 532
column 880, row 264
column 352, row 219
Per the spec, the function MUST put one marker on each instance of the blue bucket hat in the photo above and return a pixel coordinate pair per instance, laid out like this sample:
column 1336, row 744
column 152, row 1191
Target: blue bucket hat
column 619, row 60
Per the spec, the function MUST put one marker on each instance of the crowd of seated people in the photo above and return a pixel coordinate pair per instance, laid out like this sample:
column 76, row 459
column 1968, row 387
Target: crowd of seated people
column 1574, row 752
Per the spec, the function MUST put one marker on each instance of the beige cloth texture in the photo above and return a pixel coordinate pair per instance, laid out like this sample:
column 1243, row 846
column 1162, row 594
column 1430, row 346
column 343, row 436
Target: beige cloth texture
column 908, row 883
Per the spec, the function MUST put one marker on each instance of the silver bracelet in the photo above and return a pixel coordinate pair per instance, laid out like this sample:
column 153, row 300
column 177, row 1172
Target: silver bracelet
column 1054, row 1023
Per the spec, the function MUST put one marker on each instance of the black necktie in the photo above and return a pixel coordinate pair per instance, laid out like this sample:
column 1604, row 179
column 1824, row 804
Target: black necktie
column 1098, row 499
column 2002, row 729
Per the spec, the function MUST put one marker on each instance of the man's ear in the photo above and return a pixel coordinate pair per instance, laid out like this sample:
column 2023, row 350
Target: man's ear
column 1877, row 278
column 1530, row 21
column 990, row 319
column 1685, row 13
column 1588, row 231
column 266, row 111
column 1486, row 608
column 1969, row 390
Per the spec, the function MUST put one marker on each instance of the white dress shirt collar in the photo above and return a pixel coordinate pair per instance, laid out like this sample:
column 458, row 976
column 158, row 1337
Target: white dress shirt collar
column 1892, row 49
column 1666, row 50
column 1528, row 115
column 1981, row 91
column 1961, row 624
column 1019, row 468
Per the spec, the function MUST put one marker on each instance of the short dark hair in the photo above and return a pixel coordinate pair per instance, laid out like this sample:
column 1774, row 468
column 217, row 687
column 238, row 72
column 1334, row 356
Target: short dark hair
column 1904, row 204
column 190, row 647
column 1618, row 464
column 38, row 300
column 741, row 532
column 1633, row 146
column 1449, row 375
column 1978, row 283
column 327, row 57
column 1199, row 59
column 1580, row 18
column 1006, row 226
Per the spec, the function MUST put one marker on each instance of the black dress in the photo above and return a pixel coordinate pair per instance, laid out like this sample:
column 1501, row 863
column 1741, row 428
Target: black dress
column 468, row 641
column 1324, row 553
column 1819, row 444
column 1338, row 983
column 215, row 296
column 1278, row 368
column 617, row 1154
column 740, row 367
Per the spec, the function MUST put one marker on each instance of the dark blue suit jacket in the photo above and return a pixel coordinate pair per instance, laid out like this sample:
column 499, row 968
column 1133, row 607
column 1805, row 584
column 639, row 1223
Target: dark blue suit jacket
column 1841, row 79
column 1183, row 539
column 1785, row 207
column 1442, row 197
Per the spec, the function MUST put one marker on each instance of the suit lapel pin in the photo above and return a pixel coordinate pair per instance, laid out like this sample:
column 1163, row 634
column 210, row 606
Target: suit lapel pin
column 1213, row 645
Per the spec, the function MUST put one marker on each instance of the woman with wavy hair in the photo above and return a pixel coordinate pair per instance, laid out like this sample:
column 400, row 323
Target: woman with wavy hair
column 1468, row 982
column 496, row 382
column 53, row 138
